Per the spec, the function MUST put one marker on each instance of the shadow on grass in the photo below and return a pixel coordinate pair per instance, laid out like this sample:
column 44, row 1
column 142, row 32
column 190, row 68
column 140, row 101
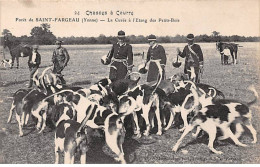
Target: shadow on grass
column 12, row 83
column 203, row 138
column 95, row 154
column 45, row 66
column 129, row 147
column 98, row 154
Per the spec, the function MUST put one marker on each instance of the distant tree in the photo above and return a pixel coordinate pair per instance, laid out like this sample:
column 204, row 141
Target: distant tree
column 215, row 33
column 42, row 35
column 46, row 27
column 178, row 38
column 165, row 39
column 6, row 32
column 92, row 40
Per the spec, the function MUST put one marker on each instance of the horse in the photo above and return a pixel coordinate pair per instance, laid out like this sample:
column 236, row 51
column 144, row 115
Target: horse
column 16, row 50
column 220, row 46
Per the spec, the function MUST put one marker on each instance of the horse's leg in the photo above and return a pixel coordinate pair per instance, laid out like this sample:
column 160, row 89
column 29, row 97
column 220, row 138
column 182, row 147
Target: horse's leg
column 235, row 56
column 222, row 58
column 232, row 54
column 17, row 61
column 12, row 64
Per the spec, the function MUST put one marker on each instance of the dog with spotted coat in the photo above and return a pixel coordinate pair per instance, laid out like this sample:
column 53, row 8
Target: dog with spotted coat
column 93, row 115
column 70, row 141
column 221, row 114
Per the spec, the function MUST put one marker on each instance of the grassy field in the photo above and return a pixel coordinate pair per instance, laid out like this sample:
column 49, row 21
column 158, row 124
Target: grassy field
column 85, row 69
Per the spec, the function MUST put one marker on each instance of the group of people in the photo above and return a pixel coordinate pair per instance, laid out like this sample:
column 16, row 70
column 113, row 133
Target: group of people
column 120, row 59
column 60, row 59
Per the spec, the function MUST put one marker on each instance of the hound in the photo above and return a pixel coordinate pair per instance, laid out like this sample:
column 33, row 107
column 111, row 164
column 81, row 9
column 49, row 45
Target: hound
column 142, row 97
column 145, row 97
column 96, row 116
column 93, row 115
column 17, row 106
column 62, row 112
column 97, row 88
column 6, row 61
column 222, row 114
column 69, row 141
column 182, row 80
column 184, row 100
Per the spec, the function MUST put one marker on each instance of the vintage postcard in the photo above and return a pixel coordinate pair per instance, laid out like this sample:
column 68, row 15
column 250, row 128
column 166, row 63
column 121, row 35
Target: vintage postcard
column 130, row 81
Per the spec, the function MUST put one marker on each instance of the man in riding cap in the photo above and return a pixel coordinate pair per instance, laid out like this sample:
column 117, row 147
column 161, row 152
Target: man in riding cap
column 60, row 60
column 193, row 59
column 121, row 57
column 155, row 52
column 33, row 62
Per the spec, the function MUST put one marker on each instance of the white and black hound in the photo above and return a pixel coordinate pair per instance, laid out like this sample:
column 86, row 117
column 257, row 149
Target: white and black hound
column 221, row 114
column 181, row 78
column 183, row 100
column 6, row 61
column 93, row 115
column 69, row 140
column 24, row 100
column 144, row 97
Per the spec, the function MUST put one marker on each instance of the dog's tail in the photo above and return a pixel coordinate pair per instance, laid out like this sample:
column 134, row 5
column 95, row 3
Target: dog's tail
column 36, row 81
column 84, row 121
column 216, row 93
column 220, row 94
column 160, row 75
column 252, row 88
column 195, row 94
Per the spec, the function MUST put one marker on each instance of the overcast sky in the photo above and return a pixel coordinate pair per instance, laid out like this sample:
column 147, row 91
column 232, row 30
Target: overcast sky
column 229, row 17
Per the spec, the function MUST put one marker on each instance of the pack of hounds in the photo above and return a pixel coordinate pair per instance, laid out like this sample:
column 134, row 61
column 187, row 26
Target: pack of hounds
column 105, row 105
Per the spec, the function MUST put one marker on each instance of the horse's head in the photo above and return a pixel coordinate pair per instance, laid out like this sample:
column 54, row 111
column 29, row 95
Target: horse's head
column 6, row 41
column 219, row 46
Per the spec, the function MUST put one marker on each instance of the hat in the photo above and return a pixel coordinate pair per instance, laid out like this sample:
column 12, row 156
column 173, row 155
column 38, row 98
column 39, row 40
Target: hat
column 176, row 64
column 105, row 60
column 58, row 42
column 35, row 47
column 121, row 34
column 151, row 37
column 142, row 69
column 190, row 37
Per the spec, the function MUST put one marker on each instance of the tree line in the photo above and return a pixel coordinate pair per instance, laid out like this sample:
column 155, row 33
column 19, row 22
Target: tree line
column 42, row 35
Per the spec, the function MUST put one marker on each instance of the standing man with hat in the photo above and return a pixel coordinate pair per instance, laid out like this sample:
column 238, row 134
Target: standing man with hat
column 193, row 59
column 60, row 60
column 121, row 58
column 155, row 52
column 33, row 63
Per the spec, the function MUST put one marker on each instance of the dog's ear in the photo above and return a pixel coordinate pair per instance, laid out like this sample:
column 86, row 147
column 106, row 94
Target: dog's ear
column 69, row 96
column 76, row 98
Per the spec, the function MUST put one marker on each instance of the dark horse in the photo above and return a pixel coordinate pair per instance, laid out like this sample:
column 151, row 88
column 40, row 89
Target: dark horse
column 220, row 46
column 16, row 50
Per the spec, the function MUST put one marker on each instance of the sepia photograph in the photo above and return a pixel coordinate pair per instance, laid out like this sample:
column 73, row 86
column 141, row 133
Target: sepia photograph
column 129, row 82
